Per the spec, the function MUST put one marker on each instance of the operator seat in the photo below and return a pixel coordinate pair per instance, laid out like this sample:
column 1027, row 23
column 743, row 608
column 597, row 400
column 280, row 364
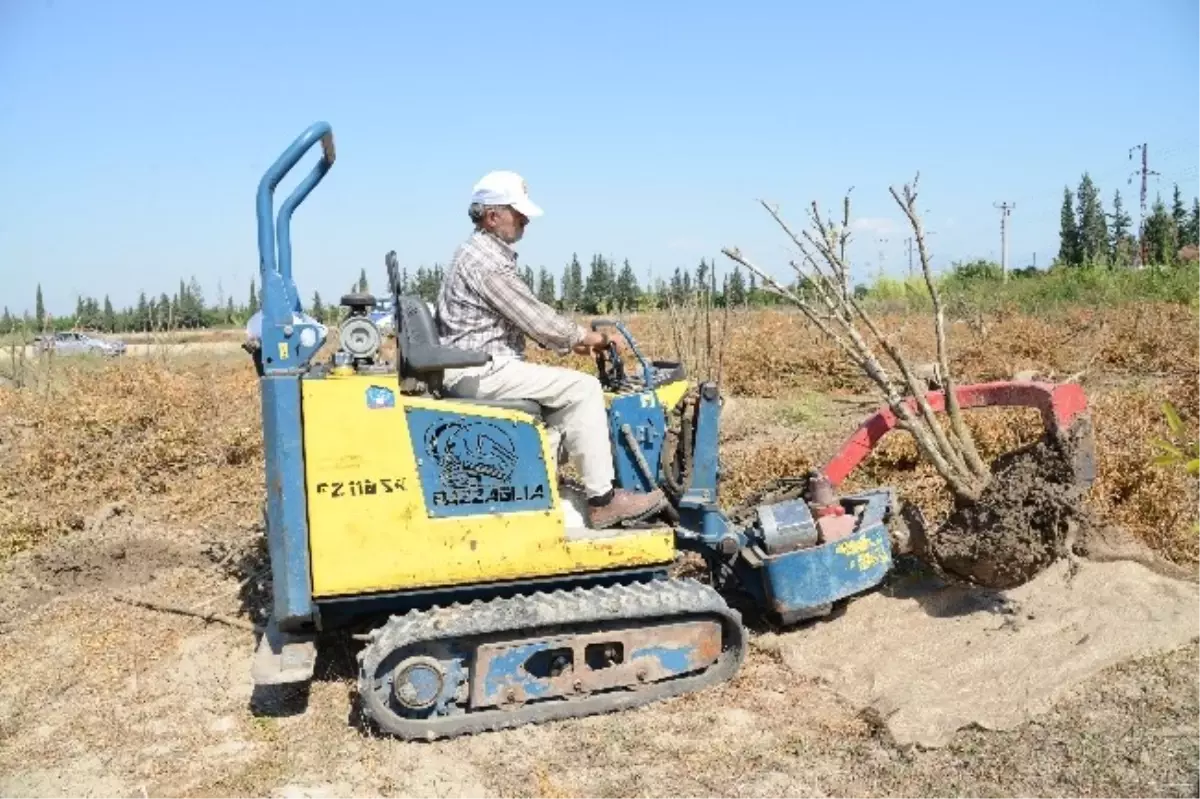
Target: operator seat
column 422, row 356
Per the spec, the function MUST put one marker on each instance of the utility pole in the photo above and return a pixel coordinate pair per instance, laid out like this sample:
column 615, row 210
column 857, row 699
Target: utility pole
column 1005, row 211
column 882, row 241
column 1140, row 255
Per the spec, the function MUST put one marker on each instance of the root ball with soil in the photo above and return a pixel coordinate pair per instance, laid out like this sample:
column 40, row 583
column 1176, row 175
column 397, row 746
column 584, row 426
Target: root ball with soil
column 1028, row 516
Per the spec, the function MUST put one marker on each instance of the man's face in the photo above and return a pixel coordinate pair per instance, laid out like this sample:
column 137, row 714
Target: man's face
column 506, row 223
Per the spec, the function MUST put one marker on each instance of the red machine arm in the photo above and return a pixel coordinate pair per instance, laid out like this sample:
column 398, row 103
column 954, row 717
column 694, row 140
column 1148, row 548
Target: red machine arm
column 1058, row 404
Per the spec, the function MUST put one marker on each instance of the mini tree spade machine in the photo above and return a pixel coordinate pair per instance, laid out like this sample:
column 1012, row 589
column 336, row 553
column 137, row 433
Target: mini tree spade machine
column 435, row 528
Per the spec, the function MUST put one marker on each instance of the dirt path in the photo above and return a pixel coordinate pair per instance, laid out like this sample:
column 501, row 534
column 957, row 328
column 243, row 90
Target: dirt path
column 99, row 698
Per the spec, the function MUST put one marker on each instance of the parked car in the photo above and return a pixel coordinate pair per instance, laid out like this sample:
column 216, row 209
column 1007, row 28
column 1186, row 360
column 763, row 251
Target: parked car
column 74, row 342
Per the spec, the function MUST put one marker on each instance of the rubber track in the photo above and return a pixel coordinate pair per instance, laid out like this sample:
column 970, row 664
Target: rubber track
column 548, row 613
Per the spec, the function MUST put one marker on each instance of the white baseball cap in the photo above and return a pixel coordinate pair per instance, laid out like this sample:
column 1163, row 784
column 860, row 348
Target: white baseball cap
column 505, row 188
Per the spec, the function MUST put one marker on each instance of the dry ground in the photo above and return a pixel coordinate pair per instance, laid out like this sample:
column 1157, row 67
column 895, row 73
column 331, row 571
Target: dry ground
column 144, row 479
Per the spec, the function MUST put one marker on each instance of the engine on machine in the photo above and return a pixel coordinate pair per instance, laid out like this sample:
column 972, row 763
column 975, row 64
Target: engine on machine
column 358, row 334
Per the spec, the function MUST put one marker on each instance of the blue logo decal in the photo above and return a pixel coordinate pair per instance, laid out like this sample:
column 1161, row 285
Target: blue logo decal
column 471, row 465
column 380, row 397
column 471, row 455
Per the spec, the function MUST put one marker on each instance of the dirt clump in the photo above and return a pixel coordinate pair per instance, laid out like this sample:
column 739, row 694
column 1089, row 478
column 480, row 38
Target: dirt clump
column 1029, row 515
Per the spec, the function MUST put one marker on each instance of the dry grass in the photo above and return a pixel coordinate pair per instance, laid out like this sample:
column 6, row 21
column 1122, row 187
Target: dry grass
column 180, row 436
column 1158, row 503
column 772, row 353
column 156, row 704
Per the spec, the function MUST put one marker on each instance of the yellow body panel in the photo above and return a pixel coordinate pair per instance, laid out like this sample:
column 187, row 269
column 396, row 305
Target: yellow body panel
column 670, row 394
column 369, row 529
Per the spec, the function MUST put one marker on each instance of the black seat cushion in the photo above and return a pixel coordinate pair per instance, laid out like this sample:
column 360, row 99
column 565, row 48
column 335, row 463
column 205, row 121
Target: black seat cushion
column 421, row 351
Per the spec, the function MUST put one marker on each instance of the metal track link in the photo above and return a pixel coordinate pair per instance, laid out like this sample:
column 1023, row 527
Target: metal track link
column 541, row 613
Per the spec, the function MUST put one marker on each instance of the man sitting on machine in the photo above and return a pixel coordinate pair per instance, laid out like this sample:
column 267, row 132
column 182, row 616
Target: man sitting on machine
column 484, row 305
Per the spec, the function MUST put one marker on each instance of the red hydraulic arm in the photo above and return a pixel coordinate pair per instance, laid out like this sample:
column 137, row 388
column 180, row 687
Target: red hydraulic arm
column 1059, row 405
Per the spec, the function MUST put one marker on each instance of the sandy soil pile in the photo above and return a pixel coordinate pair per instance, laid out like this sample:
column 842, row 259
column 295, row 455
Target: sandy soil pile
column 928, row 658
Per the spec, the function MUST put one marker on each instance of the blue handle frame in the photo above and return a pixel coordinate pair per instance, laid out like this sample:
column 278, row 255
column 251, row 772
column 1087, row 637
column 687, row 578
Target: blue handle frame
column 285, row 354
column 279, row 295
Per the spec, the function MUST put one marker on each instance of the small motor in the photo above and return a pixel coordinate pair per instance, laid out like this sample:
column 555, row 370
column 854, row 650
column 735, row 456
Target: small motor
column 358, row 333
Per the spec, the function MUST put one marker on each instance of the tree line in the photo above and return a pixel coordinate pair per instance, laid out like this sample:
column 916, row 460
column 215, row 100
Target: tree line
column 1091, row 236
column 605, row 289
column 184, row 309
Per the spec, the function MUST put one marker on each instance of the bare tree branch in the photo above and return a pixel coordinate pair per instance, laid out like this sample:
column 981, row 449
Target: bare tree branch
column 774, row 286
column 825, row 281
column 848, row 302
column 845, row 238
column 930, row 439
column 837, row 275
column 837, row 263
column 965, row 439
column 209, row 617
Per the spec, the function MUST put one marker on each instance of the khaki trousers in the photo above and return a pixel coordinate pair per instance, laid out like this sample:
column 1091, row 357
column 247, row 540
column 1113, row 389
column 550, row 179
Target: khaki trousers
column 573, row 404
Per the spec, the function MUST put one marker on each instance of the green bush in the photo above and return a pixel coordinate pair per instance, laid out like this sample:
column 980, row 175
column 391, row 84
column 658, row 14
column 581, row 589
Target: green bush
column 980, row 285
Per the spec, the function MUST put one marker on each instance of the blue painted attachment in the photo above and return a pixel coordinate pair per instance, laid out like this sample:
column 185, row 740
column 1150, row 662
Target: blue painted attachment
column 475, row 465
column 286, row 348
column 879, row 502
column 287, row 522
column 647, row 422
column 698, row 508
column 705, row 475
column 809, row 578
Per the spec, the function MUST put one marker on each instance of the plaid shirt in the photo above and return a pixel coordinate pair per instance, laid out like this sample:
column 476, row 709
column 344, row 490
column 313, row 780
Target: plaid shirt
column 484, row 305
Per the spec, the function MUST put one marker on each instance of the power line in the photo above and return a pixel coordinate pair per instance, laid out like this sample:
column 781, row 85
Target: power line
column 1005, row 210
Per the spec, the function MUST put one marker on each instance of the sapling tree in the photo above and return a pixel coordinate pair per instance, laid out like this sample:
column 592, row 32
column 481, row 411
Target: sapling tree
column 829, row 303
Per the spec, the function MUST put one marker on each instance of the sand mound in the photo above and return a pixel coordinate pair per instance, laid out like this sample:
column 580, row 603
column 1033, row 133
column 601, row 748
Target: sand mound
column 927, row 658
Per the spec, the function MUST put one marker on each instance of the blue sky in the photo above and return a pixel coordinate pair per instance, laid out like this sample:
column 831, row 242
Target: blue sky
column 133, row 133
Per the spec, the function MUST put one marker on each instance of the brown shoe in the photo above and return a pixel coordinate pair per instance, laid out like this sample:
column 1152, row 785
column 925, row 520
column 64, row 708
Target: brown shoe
column 624, row 506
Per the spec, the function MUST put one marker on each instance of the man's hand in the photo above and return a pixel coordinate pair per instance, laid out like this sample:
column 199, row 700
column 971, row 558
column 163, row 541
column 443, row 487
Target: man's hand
column 592, row 342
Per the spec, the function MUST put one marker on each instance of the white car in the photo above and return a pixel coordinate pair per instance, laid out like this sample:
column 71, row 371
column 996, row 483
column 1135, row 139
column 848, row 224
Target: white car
column 72, row 341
